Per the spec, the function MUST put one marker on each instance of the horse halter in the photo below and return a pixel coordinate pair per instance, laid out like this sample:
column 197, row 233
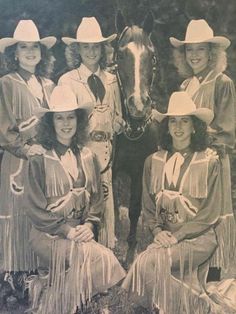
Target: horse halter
column 140, row 125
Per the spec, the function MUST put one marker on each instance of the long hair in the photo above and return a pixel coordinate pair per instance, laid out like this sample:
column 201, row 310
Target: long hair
column 218, row 60
column 44, row 68
column 46, row 135
column 199, row 139
column 73, row 57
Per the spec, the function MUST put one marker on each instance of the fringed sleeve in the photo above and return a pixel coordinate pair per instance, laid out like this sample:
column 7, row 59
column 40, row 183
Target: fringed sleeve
column 153, row 221
column 224, row 121
column 10, row 138
column 209, row 209
column 36, row 202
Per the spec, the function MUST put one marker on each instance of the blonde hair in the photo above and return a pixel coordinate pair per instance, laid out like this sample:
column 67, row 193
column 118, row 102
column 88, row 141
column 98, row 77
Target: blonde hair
column 218, row 61
column 73, row 58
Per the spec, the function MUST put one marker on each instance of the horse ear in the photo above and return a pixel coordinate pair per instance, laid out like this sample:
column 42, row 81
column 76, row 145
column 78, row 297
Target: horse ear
column 120, row 22
column 148, row 23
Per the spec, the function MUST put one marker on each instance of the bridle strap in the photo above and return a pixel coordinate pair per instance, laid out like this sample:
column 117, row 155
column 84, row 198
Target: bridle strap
column 128, row 128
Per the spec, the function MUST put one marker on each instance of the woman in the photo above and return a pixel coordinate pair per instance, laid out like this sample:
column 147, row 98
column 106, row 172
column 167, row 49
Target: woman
column 181, row 206
column 64, row 203
column 91, row 83
column 201, row 60
column 25, row 88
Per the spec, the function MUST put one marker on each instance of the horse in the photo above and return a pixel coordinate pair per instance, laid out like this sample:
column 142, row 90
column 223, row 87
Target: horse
column 135, row 61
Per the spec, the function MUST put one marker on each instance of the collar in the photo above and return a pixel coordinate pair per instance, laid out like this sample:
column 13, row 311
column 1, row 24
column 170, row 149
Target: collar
column 60, row 148
column 24, row 74
column 202, row 75
column 85, row 72
column 184, row 152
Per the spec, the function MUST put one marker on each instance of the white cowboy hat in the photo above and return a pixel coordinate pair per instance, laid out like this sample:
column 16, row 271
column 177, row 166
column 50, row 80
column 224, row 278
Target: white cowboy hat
column 181, row 104
column 27, row 31
column 89, row 31
column 62, row 99
column 198, row 31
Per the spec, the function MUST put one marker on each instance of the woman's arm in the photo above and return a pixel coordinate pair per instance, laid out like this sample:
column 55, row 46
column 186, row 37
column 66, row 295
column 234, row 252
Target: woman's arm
column 224, row 121
column 210, row 207
column 10, row 138
column 36, row 202
column 152, row 220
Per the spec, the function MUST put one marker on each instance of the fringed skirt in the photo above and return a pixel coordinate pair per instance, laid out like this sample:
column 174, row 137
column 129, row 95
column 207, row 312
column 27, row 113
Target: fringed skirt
column 173, row 279
column 225, row 255
column 77, row 271
column 14, row 224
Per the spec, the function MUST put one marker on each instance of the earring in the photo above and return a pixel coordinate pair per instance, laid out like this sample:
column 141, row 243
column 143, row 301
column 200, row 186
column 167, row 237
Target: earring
column 16, row 58
column 193, row 132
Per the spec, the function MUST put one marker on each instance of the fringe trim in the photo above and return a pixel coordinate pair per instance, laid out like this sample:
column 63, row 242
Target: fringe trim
column 16, row 252
column 77, row 199
column 225, row 253
column 75, row 286
column 158, row 162
column 169, row 294
column 198, row 173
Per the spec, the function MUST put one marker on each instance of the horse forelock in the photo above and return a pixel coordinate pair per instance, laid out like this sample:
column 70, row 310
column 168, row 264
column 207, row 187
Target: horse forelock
column 137, row 35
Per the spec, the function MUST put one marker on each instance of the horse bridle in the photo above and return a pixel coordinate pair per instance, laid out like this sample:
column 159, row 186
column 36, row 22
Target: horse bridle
column 129, row 133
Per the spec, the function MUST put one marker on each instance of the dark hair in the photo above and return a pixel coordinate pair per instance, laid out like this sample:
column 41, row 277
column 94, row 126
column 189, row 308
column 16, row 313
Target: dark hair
column 44, row 68
column 46, row 135
column 73, row 57
column 199, row 140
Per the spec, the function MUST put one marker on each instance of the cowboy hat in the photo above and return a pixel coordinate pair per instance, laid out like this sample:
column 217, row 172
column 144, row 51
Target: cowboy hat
column 89, row 31
column 181, row 104
column 27, row 31
column 62, row 99
column 198, row 31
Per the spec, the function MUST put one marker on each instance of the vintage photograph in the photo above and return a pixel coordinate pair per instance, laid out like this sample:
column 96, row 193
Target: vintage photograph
column 117, row 157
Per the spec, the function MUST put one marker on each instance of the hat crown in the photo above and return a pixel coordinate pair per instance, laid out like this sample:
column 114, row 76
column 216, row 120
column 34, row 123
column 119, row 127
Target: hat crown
column 26, row 30
column 198, row 31
column 180, row 103
column 89, row 30
column 62, row 99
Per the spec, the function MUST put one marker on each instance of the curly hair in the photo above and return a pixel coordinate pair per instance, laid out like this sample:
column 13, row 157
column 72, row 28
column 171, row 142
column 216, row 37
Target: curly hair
column 46, row 135
column 218, row 60
column 73, row 58
column 44, row 68
column 199, row 139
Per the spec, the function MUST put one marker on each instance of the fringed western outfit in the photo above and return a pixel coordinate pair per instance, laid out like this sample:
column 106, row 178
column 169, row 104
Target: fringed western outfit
column 173, row 279
column 56, row 202
column 17, row 128
column 216, row 91
column 101, row 129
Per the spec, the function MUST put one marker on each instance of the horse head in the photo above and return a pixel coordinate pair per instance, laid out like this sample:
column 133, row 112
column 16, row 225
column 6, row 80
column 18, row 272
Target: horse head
column 135, row 59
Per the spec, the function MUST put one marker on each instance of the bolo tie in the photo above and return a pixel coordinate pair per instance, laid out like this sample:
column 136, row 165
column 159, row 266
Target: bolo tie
column 96, row 86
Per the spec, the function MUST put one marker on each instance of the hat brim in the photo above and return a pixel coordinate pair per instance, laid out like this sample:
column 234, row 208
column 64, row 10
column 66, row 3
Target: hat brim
column 40, row 112
column 204, row 114
column 69, row 40
column 49, row 42
column 219, row 40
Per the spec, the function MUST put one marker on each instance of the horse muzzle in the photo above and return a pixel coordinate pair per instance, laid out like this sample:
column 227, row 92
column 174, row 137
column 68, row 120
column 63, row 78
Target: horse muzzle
column 139, row 107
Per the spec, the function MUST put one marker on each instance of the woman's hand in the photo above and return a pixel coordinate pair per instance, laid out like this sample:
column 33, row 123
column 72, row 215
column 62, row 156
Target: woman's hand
column 165, row 238
column 81, row 233
column 35, row 149
column 118, row 125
